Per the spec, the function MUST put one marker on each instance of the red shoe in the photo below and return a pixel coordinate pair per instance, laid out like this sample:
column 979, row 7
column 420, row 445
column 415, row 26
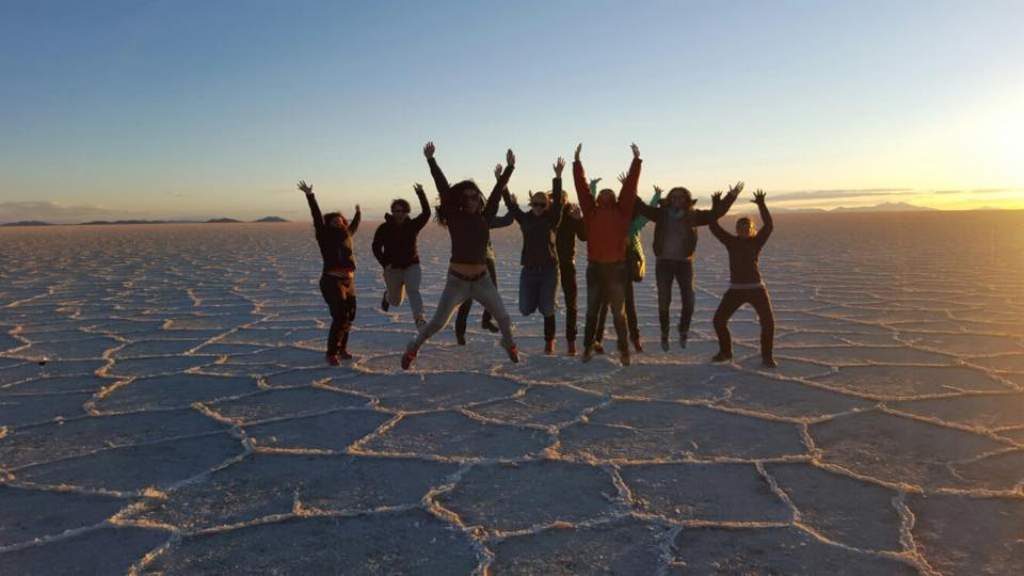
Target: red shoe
column 637, row 345
column 513, row 354
column 549, row 347
column 407, row 359
column 332, row 359
column 570, row 348
column 598, row 348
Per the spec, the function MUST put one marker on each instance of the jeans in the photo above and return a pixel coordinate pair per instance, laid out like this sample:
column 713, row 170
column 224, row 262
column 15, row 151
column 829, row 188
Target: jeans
column 567, row 276
column 402, row 281
column 456, row 291
column 631, row 322
column 731, row 302
column 460, row 320
column 681, row 272
column 340, row 295
column 606, row 283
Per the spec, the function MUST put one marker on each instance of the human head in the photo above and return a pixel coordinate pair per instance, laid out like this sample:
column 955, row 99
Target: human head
column 399, row 210
column 334, row 219
column 470, row 198
column 680, row 198
column 539, row 203
column 745, row 228
column 606, row 197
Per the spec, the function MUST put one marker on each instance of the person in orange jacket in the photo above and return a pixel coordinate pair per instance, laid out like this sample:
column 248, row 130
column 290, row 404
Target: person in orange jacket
column 607, row 220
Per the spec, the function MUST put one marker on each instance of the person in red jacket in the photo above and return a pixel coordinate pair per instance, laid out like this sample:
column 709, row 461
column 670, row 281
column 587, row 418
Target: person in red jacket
column 337, row 281
column 607, row 222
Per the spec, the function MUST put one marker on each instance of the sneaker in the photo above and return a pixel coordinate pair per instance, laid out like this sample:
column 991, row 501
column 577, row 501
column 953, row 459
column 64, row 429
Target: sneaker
column 588, row 353
column 637, row 345
column 570, row 348
column 624, row 357
column 384, row 305
column 513, row 354
column 344, row 355
column 332, row 359
column 769, row 363
column 549, row 347
column 489, row 325
column 598, row 348
column 407, row 359
column 664, row 344
column 721, row 357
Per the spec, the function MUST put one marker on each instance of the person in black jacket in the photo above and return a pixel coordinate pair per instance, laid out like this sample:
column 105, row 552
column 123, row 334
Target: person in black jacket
column 570, row 229
column 466, row 215
column 745, row 284
column 394, row 246
column 675, row 243
column 337, row 281
column 538, row 279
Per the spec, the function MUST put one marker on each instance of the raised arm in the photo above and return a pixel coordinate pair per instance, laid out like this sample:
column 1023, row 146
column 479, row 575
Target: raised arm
column 354, row 224
column 424, row 216
column 627, row 196
column 586, row 197
column 720, row 207
column 440, row 182
column 511, row 205
column 500, row 221
column 314, row 208
column 647, row 212
column 716, row 229
column 557, row 194
column 491, row 208
column 767, row 225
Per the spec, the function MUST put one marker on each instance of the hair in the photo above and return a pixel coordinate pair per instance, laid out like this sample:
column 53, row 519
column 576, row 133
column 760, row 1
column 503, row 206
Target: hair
column 332, row 215
column 545, row 195
column 401, row 202
column 457, row 193
column 744, row 219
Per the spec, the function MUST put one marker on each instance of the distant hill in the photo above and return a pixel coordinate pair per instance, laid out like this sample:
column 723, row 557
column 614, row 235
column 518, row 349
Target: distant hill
column 271, row 219
column 28, row 223
column 884, row 207
column 223, row 221
column 112, row 222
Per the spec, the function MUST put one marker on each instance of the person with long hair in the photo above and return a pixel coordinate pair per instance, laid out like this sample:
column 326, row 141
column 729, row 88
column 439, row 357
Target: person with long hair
column 337, row 280
column 607, row 220
column 538, row 278
column 394, row 246
column 465, row 214
column 675, row 244
column 745, row 283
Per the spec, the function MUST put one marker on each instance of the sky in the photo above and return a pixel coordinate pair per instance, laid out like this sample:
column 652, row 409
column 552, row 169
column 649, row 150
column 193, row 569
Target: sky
column 207, row 108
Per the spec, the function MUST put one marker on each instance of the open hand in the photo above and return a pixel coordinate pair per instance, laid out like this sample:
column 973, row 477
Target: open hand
column 758, row 197
column 578, row 148
column 622, row 177
column 635, row 149
column 428, row 150
column 307, row 188
column 658, row 190
column 558, row 166
column 357, row 208
column 497, row 170
column 736, row 188
column 594, row 182
column 510, row 158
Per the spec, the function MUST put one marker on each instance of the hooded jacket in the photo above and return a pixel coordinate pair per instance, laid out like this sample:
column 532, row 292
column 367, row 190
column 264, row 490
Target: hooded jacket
column 335, row 243
column 607, row 225
column 693, row 219
column 539, row 231
column 394, row 244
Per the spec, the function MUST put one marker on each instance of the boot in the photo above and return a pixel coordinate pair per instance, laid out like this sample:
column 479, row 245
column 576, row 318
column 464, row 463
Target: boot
column 597, row 348
column 549, row 347
column 513, row 354
column 384, row 305
column 408, row 358
column 570, row 348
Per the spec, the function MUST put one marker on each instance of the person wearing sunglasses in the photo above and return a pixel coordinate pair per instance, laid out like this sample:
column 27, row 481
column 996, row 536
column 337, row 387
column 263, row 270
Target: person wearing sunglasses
column 538, row 278
column 607, row 219
column 466, row 215
column 337, row 279
column 394, row 246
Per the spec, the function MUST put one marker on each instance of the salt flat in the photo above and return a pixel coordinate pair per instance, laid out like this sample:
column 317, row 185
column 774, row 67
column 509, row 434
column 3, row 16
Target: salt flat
column 165, row 409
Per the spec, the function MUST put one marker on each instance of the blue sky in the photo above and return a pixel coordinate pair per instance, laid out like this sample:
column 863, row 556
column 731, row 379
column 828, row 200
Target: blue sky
column 208, row 108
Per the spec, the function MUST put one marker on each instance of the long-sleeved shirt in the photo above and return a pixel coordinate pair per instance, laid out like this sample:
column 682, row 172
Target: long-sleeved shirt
column 394, row 244
column 744, row 253
column 335, row 243
column 539, row 231
column 569, row 230
column 687, row 223
column 469, row 232
column 607, row 225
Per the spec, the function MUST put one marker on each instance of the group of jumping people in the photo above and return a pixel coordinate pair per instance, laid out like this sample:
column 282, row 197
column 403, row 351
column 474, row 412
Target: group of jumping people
column 609, row 224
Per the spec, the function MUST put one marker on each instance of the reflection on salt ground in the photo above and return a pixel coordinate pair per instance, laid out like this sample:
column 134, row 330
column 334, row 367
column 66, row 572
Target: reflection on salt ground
column 162, row 387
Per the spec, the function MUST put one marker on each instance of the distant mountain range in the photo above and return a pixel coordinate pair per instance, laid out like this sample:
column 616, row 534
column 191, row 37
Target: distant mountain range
column 883, row 207
column 264, row 220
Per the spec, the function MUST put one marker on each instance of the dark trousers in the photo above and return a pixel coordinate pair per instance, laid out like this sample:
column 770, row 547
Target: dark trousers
column 567, row 273
column 463, row 315
column 606, row 283
column 631, row 322
column 667, row 272
column 340, row 295
column 731, row 302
